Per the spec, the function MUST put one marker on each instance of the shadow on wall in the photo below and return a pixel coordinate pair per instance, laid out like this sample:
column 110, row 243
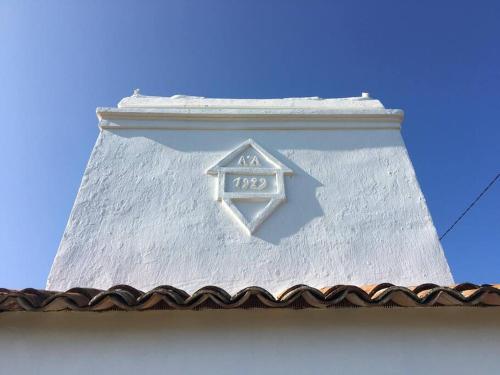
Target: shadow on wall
column 301, row 198
column 224, row 141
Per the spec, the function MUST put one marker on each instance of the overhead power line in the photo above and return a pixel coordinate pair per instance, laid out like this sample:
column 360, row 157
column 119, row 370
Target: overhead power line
column 470, row 206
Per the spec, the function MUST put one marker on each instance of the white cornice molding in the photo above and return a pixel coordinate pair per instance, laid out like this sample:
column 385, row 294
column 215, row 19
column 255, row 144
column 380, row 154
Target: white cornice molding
column 192, row 112
column 247, row 119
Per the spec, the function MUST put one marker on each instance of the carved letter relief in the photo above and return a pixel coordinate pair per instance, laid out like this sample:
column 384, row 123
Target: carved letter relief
column 251, row 183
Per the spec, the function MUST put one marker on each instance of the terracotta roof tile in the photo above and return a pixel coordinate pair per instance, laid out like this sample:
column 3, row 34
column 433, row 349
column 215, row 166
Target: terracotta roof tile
column 124, row 297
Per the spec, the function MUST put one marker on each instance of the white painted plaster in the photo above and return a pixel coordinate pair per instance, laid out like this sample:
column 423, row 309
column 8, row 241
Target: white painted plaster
column 362, row 103
column 250, row 114
column 352, row 341
column 146, row 212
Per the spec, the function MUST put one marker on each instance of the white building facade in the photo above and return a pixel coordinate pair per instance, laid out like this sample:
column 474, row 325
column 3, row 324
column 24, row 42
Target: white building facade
column 347, row 208
column 444, row 340
column 197, row 221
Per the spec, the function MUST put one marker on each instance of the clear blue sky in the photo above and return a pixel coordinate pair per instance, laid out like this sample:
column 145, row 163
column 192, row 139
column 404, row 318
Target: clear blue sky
column 439, row 61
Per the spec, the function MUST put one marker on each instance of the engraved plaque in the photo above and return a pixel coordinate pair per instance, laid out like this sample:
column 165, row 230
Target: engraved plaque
column 254, row 183
column 251, row 183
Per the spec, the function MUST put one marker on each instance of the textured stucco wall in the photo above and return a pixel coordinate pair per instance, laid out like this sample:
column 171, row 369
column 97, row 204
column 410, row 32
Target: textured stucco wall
column 352, row 341
column 146, row 214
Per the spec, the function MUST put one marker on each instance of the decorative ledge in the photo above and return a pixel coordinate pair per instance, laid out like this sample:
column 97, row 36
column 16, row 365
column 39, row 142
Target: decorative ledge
column 246, row 119
column 193, row 112
column 127, row 298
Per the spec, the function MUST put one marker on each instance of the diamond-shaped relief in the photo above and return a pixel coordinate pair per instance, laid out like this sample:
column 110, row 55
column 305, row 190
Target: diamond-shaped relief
column 251, row 183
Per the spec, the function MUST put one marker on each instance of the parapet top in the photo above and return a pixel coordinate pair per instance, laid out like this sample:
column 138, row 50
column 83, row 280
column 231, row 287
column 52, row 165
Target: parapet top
column 182, row 111
column 360, row 103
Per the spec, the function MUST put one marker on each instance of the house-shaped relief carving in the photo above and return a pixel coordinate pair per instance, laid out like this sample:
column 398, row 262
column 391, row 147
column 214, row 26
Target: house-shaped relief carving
column 251, row 183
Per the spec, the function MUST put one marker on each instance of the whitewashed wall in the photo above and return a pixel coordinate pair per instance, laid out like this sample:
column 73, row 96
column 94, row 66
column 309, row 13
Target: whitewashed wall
column 146, row 215
column 354, row 341
column 146, row 212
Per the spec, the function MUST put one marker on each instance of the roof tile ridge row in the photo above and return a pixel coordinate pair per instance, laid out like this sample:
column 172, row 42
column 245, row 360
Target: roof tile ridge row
column 166, row 297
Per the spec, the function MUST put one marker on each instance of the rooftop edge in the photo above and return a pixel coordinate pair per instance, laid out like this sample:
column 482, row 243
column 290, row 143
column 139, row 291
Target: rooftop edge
column 175, row 112
column 127, row 298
